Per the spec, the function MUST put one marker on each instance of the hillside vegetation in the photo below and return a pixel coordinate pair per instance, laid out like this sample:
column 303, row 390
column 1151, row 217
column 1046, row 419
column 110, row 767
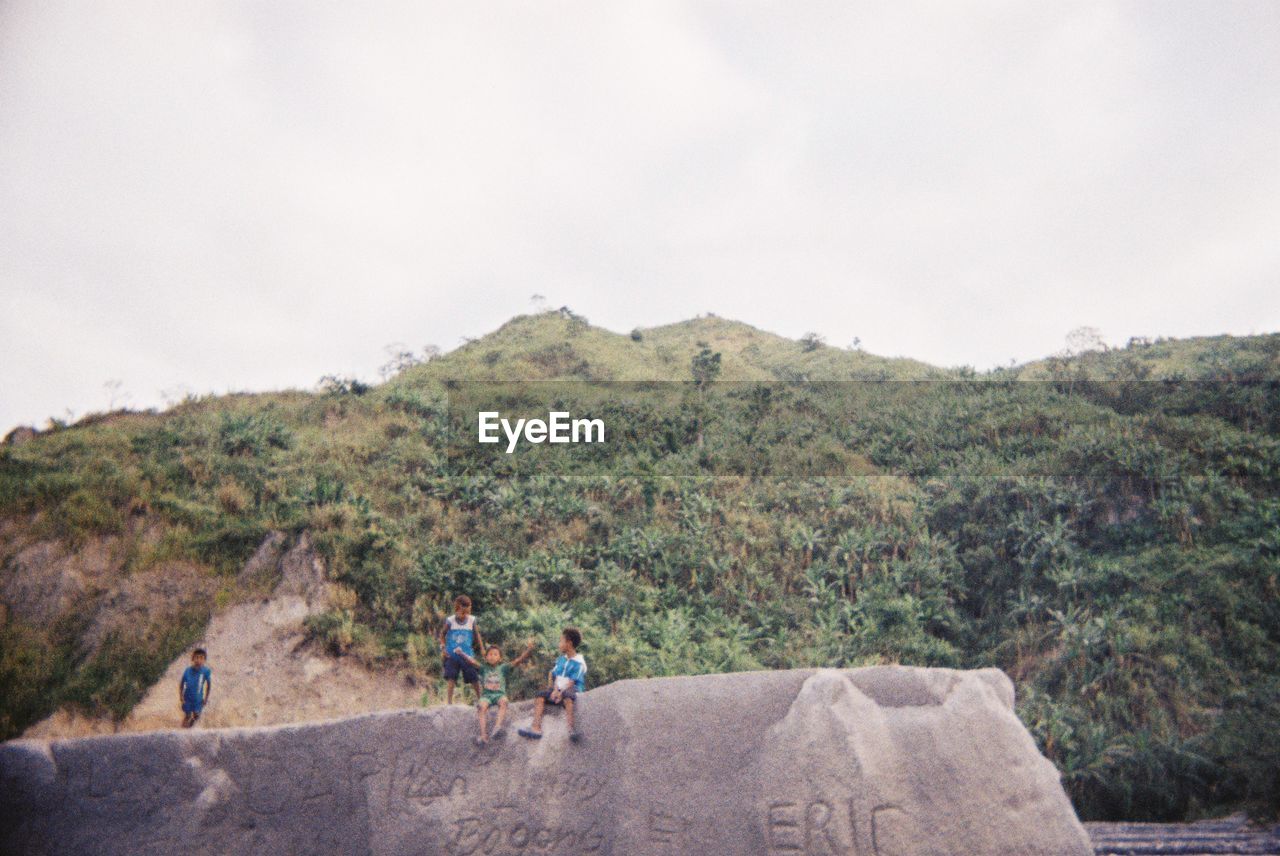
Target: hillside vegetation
column 1103, row 526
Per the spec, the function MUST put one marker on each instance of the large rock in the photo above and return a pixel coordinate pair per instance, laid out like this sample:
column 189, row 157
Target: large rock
column 876, row 761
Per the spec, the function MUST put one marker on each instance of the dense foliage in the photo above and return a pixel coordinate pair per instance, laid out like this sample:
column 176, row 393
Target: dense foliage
column 1113, row 546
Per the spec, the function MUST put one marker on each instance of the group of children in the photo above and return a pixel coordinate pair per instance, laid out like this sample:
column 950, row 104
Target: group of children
column 459, row 641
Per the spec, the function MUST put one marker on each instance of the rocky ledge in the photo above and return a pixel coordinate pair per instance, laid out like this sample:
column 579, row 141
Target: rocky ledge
column 875, row 761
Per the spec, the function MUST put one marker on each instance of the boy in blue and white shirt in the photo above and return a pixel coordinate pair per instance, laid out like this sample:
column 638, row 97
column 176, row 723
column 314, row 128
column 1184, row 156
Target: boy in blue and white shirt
column 567, row 679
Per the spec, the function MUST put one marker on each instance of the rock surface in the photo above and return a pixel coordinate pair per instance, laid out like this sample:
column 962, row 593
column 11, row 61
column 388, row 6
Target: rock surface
column 875, row 761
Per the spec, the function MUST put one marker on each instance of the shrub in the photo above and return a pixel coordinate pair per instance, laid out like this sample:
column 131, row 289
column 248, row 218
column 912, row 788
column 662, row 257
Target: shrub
column 86, row 513
column 811, row 342
column 232, row 498
column 252, row 434
column 339, row 386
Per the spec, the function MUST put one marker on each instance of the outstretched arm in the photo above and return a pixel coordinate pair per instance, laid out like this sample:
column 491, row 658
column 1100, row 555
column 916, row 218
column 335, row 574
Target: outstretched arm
column 524, row 656
column 464, row 655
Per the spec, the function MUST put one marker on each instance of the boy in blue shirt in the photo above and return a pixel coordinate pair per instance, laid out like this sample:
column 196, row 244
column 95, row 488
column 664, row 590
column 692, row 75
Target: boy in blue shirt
column 567, row 679
column 459, row 641
column 194, row 688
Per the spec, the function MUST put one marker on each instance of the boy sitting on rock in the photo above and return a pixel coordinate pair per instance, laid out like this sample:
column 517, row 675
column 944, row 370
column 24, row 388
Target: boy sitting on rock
column 567, row 679
column 493, row 688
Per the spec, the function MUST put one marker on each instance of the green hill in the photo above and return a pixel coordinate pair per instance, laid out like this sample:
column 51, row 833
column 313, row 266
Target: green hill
column 561, row 345
column 1104, row 527
column 1204, row 358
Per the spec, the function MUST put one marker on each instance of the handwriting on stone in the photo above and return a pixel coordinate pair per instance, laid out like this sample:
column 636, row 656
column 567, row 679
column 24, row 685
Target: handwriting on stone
column 502, row 833
column 278, row 785
column 419, row 782
column 820, row 827
column 665, row 827
column 802, row 827
column 283, row 779
column 121, row 783
column 891, row 832
column 574, row 784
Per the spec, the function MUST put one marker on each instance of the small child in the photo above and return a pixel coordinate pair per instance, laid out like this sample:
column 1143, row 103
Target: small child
column 194, row 688
column 567, row 679
column 493, row 678
column 460, row 636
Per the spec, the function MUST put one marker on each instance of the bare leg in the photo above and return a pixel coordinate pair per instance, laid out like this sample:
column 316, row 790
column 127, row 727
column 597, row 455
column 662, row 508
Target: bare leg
column 449, row 695
column 502, row 715
column 568, row 713
column 539, row 705
column 475, row 688
column 483, row 711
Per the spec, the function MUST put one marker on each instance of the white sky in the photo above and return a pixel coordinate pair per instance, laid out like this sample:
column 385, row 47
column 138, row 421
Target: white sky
column 251, row 195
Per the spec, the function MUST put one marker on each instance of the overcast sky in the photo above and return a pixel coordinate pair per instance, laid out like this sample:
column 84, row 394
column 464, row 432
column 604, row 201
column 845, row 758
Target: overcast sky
column 230, row 196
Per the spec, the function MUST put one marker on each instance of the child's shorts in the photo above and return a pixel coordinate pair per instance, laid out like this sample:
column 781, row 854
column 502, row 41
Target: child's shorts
column 188, row 707
column 456, row 664
column 570, row 693
column 492, row 697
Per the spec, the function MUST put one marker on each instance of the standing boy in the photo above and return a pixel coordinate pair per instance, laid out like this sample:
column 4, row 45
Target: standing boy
column 194, row 688
column 567, row 679
column 459, row 634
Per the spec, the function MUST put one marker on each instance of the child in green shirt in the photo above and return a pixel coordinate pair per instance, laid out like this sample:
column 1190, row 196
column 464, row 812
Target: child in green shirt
column 493, row 688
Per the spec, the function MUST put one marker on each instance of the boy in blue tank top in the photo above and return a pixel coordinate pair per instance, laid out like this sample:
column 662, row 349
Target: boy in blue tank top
column 459, row 641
